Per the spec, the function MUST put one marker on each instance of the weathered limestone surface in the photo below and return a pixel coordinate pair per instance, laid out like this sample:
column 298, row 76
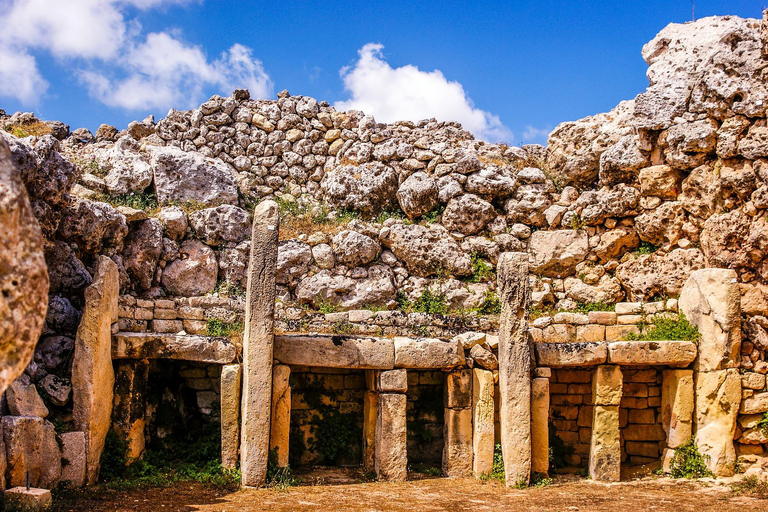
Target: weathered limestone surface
column 391, row 460
column 458, row 389
column 73, row 456
column 540, row 425
column 718, row 396
column 668, row 352
column 335, row 351
column 281, row 413
column 677, row 406
column 370, row 416
column 605, row 446
column 93, row 378
column 457, row 436
column 23, row 273
column 231, row 380
column 482, row 422
column 128, row 413
column 30, row 445
column 515, row 367
column 711, row 301
column 427, row 353
column 561, row 355
column 21, row 499
column 607, row 384
column 186, row 347
column 392, row 381
column 24, row 400
column 258, row 340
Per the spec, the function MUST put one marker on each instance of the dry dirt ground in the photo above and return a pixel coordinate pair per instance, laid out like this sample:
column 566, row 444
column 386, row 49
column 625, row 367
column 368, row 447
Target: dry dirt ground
column 338, row 491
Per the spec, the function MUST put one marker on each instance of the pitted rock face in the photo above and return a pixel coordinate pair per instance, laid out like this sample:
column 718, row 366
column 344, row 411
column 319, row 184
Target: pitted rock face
column 23, row 274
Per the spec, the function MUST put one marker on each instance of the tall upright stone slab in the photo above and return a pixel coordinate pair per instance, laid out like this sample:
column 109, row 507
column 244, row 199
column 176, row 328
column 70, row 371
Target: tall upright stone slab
column 258, row 341
column 482, row 421
column 391, row 459
column 370, row 414
column 231, row 380
column 605, row 444
column 540, row 425
column 93, row 378
column 711, row 301
column 515, row 367
column 281, row 414
column 677, row 406
column 457, row 429
column 128, row 413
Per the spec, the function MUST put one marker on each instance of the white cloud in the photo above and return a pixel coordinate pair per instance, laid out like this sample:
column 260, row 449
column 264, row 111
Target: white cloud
column 107, row 51
column 537, row 135
column 408, row 93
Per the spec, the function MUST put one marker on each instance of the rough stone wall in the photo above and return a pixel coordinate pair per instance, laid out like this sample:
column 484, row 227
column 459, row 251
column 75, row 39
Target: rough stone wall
column 642, row 436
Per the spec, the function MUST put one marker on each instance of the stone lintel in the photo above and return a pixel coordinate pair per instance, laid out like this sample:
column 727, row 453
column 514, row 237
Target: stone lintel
column 204, row 349
column 564, row 355
column 335, row 351
column 669, row 352
column 428, row 353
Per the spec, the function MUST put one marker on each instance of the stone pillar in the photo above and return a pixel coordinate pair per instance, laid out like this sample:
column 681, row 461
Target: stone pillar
column 281, row 414
column 457, row 430
column 73, row 450
column 515, row 367
column 93, row 378
column 258, row 341
column 711, row 301
column 391, row 459
column 370, row 413
column 676, row 409
column 482, row 421
column 605, row 445
column 540, row 425
column 130, row 405
column 231, row 380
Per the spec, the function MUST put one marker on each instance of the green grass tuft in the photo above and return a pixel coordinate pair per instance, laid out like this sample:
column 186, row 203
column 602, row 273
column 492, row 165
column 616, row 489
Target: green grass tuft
column 688, row 462
column 668, row 329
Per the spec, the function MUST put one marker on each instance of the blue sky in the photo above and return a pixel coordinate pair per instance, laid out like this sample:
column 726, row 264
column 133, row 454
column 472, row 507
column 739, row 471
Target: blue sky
column 509, row 70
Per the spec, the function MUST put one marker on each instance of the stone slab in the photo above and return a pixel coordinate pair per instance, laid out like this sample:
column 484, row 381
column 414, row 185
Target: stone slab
column 21, row 499
column 564, row 355
column 73, row 458
column 607, row 385
column 668, row 353
column 231, row 382
column 482, row 421
column 427, row 353
column 204, row 349
column 281, row 414
column 391, row 459
column 677, row 405
column 605, row 445
column 392, row 381
column 540, row 425
column 457, row 438
column 335, row 351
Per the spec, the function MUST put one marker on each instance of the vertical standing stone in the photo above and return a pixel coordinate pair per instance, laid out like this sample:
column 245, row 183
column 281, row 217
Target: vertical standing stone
column 514, row 367
column 130, row 403
column 457, row 430
column 73, row 457
column 370, row 413
column 230, row 414
column 677, row 406
column 281, row 414
column 482, row 424
column 93, row 378
column 391, row 460
column 605, row 445
column 711, row 301
column 540, row 425
column 258, row 341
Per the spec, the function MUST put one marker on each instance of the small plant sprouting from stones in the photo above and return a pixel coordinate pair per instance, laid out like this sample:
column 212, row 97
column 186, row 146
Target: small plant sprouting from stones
column 688, row 462
column 278, row 478
column 667, row 329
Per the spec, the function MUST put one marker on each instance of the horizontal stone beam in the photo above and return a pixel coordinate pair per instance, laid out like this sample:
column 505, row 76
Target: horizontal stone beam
column 562, row 355
column 204, row 349
column 668, row 353
column 428, row 353
column 335, row 351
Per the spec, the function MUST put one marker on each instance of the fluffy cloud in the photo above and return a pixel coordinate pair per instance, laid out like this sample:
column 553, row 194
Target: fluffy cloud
column 537, row 135
column 392, row 94
column 107, row 51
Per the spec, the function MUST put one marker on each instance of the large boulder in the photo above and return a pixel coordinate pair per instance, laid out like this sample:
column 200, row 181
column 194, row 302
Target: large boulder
column 654, row 274
column 194, row 273
column 368, row 188
column 128, row 170
column 468, row 214
column 556, row 253
column 661, row 226
column 186, row 176
column 23, row 274
column 326, row 288
column 94, row 226
column 426, row 251
column 418, row 194
column 354, row 249
column 621, row 162
column 293, row 258
column 735, row 240
column 607, row 290
column 67, row 273
column 143, row 247
column 224, row 223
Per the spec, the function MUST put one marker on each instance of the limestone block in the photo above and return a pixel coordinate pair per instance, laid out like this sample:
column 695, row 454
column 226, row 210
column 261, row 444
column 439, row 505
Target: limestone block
column 427, row 353
column 258, row 343
column 677, row 406
column 605, row 445
column 458, row 389
column 205, row 349
column 711, row 301
column 392, row 381
column 73, row 458
column 753, row 380
column 483, row 356
column 231, row 380
column 607, row 385
column 717, row 399
column 540, row 425
column 30, row 444
column 24, row 400
column 391, row 460
column 590, row 333
column 563, row 355
column 335, row 351
column 483, row 421
column 515, row 354
column 668, row 353
column 457, row 438
column 370, row 413
column 281, row 413
column 93, row 378
column 755, row 404
column 470, row 339
column 21, row 499
column 130, row 403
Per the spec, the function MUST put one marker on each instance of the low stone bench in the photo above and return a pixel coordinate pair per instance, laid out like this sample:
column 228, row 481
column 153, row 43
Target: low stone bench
column 203, row 349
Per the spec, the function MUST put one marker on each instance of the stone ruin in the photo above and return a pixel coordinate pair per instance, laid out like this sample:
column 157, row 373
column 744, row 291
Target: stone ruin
column 393, row 262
